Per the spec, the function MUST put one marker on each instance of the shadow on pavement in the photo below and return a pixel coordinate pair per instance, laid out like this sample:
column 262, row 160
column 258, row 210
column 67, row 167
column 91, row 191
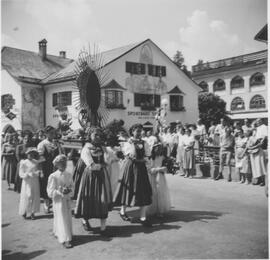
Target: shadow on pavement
column 83, row 239
column 181, row 215
column 5, row 225
column 20, row 255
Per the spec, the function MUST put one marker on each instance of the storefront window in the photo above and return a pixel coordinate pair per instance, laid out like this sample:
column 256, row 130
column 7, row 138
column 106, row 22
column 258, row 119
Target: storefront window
column 62, row 98
column 146, row 101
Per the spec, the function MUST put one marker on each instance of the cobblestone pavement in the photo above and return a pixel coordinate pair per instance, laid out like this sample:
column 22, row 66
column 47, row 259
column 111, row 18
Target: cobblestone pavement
column 208, row 220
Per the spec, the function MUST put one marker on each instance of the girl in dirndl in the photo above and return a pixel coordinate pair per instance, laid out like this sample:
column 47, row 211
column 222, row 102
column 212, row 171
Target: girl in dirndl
column 94, row 198
column 9, row 161
column 161, row 202
column 240, row 147
column 189, row 158
column 134, row 188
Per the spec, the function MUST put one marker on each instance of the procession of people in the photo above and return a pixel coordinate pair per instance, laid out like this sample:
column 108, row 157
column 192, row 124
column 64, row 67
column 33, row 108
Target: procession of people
column 128, row 172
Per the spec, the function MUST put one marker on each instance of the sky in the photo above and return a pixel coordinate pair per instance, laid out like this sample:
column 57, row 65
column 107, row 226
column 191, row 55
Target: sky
column 201, row 29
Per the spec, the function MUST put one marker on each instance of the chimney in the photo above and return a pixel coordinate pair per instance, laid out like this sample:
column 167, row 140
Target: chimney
column 42, row 49
column 62, row 54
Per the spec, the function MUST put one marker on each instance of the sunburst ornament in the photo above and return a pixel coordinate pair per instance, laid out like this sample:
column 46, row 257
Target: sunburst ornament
column 90, row 76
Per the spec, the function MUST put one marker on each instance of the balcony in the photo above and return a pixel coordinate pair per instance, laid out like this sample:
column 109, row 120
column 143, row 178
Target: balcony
column 234, row 62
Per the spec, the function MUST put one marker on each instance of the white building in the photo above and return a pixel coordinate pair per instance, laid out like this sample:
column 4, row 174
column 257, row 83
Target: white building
column 141, row 75
column 240, row 81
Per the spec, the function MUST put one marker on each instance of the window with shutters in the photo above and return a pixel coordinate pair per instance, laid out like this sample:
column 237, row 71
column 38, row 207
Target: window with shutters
column 114, row 99
column 156, row 71
column 62, row 99
column 135, row 68
column 176, row 103
column 146, row 101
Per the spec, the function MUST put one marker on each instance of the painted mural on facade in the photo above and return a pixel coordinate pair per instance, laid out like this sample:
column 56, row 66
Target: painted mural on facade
column 32, row 113
column 144, row 76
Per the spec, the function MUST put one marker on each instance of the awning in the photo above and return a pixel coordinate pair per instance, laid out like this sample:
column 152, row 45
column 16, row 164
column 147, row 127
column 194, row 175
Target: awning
column 249, row 115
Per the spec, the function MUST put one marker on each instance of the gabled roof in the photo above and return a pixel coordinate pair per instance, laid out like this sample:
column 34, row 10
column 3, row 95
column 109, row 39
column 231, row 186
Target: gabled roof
column 28, row 64
column 262, row 35
column 107, row 57
column 113, row 84
column 176, row 90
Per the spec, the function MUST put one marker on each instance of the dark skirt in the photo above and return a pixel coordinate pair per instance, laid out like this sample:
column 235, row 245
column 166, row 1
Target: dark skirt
column 9, row 167
column 18, row 180
column 77, row 176
column 47, row 168
column 94, row 199
column 134, row 189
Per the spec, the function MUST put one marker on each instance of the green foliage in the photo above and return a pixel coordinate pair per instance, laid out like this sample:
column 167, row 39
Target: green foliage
column 179, row 60
column 211, row 108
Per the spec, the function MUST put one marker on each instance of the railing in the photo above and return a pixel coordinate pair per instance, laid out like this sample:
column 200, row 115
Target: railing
column 256, row 58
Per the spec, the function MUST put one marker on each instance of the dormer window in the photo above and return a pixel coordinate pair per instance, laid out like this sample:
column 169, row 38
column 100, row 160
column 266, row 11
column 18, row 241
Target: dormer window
column 176, row 99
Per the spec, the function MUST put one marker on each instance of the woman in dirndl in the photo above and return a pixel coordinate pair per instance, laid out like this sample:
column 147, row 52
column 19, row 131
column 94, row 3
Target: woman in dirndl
column 134, row 188
column 189, row 157
column 9, row 161
column 240, row 148
column 48, row 149
column 94, row 198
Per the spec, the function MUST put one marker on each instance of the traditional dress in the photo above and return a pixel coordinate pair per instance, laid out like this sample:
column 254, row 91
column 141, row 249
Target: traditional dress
column 134, row 188
column 189, row 158
column 30, row 191
column 62, row 222
column 49, row 151
column 113, row 166
column 94, row 199
column 161, row 202
column 180, row 149
column 240, row 145
column 9, row 163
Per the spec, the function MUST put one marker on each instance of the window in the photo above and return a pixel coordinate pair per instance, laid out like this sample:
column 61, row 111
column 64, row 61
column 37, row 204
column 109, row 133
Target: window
column 257, row 102
column 146, row 101
column 257, row 79
column 135, row 68
column 176, row 103
column 114, row 99
column 204, row 86
column 237, row 82
column 237, row 104
column 61, row 99
column 219, row 85
column 156, row 71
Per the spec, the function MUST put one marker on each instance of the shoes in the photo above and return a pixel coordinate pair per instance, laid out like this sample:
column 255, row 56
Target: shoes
column 46, row 209
column 229, row 179
column 191, row 177
column 33, row 216
column 67, row 245
column 146, row 223
column 185, row 176
column 86, row 226
column 24, row 216
column 125, row 217
column 262, row 184
column 219, row 177
column 247, row 182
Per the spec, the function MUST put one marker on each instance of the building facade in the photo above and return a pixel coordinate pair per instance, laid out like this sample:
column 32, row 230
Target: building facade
column 240, row 81
column 138, row 77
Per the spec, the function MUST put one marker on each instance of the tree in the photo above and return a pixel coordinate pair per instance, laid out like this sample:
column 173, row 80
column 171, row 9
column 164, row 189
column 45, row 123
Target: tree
column 211, row 108
column 179, row 60
column 200, row 62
